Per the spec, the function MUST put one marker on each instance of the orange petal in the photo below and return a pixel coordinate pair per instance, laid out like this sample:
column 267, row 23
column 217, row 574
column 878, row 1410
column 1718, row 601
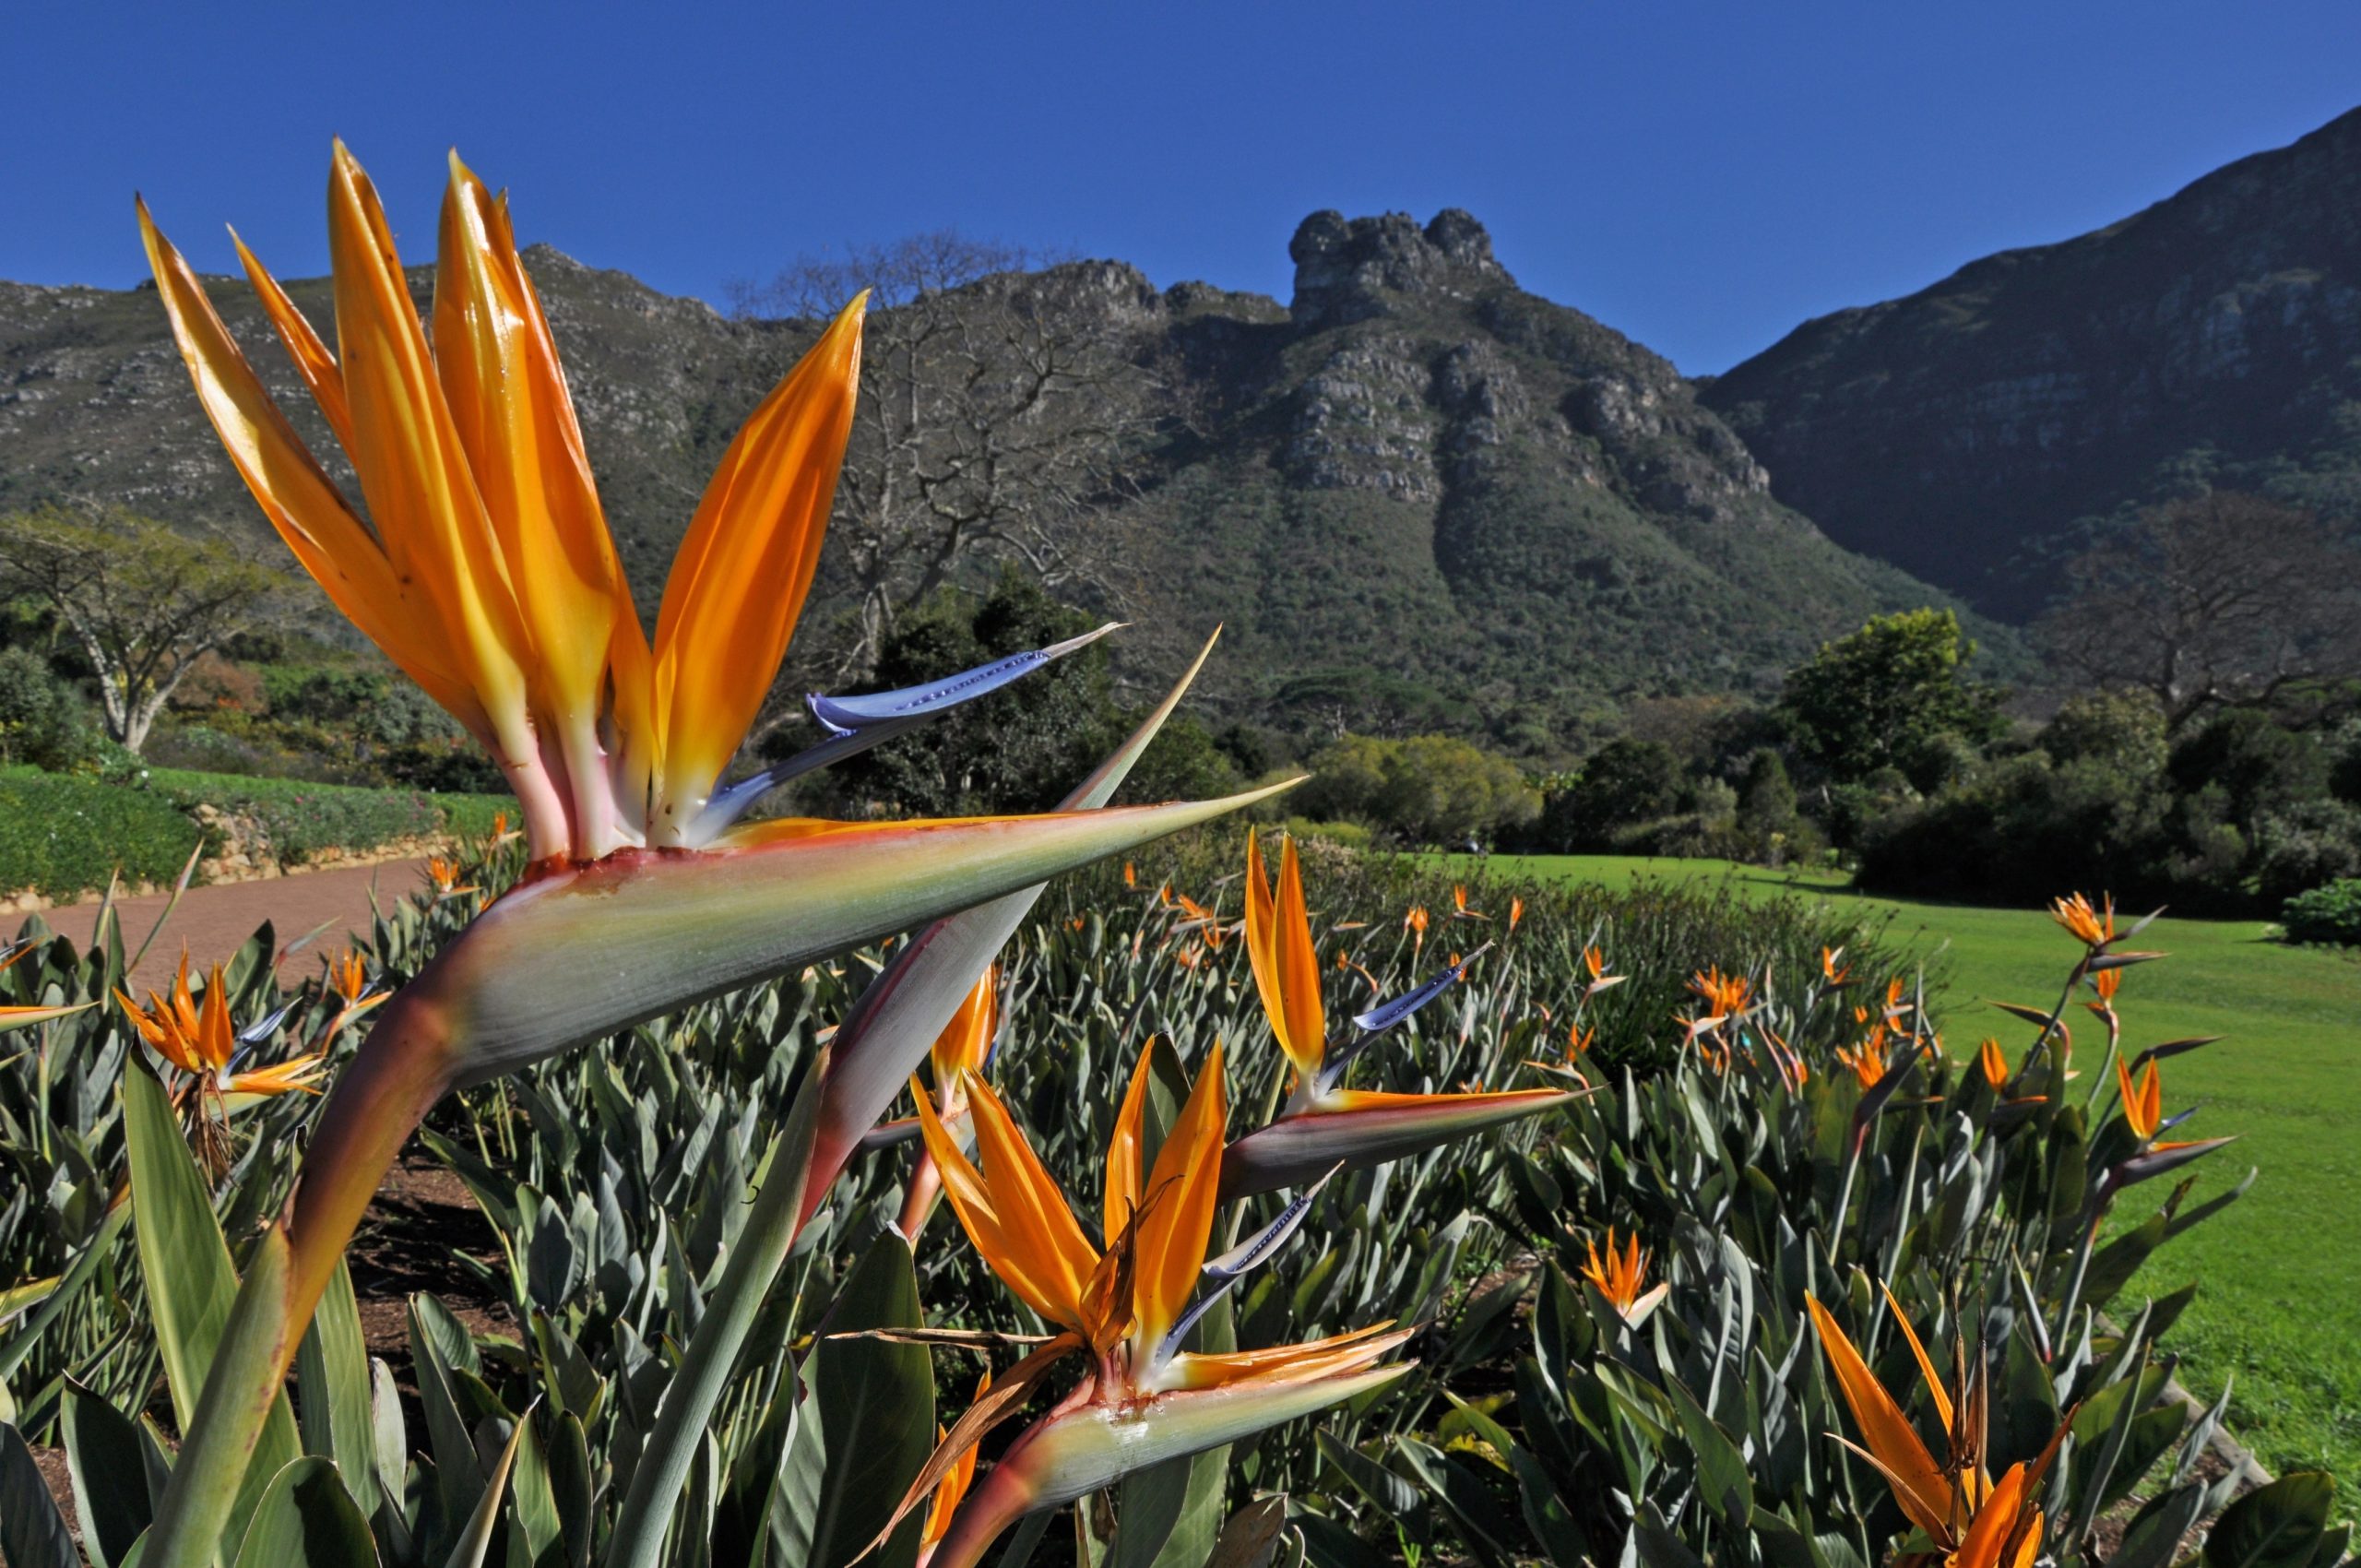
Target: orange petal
column 1926, row 1365
column 1287, row 971
column 1892, row 1442
column 971, row 1200
column 1124, row 1153
column 297, row 495
column 512, row 416
column 215, row 1039
column 1988, row 1532
column 966, row 1040
column 1179, row 1221
column 313, row 360
column 1319, row 1358
column 741, row 575
column 1037, row 1226
column 413, row 470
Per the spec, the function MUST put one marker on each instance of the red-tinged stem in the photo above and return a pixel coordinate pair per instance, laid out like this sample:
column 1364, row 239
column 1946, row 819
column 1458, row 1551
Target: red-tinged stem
column 396, row 1078
column 401, row 1070
column 925, row 1190
column 1008, row 1493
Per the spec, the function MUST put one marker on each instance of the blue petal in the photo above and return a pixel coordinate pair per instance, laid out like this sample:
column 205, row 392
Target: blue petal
column 842, row 716
column 1256, row 1249
column 1385, row 1015
column 262, row 1029
column 855, row 724
column 1248, row 1254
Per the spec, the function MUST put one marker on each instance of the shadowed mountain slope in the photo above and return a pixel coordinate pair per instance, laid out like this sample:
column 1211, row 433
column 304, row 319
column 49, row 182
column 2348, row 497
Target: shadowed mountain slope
column 1962, row 432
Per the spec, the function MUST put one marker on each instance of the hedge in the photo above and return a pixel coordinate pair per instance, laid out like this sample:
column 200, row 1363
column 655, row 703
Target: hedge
column 62, row 835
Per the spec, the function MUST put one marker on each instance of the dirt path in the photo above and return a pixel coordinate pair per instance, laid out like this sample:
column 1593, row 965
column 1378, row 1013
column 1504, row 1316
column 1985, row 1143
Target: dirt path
column 214, row 922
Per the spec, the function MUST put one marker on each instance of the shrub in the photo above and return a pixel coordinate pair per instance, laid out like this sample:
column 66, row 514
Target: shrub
column 2328, row 914
column 1626, row 783
column 1427, row 789
column 2262, row 766
column 2123, row 729
column 1348, row 834
column 2017, row 828
column 298, row 819
column 458, row 765
column 61, row 835
column 2305, row 846
column 43, row 720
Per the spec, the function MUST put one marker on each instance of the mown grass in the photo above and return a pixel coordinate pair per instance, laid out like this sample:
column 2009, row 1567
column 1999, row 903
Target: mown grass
column 2279, row 1313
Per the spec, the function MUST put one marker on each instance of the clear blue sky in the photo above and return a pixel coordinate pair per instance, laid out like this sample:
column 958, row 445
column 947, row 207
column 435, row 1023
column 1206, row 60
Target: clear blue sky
column 1702, row 176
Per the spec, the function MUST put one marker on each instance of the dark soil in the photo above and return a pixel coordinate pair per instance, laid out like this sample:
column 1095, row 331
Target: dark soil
column 422, row 1215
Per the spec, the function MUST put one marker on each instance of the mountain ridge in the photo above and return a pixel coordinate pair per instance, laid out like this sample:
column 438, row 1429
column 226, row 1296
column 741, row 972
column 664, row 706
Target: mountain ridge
column 1972, row 432
column 1416, row 496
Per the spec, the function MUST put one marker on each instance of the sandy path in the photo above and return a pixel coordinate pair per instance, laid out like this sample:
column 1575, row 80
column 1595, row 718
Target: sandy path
column 214, row 922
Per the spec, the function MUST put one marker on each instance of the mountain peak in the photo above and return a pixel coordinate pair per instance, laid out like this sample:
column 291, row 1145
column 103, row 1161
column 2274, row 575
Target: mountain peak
column 1352, row 268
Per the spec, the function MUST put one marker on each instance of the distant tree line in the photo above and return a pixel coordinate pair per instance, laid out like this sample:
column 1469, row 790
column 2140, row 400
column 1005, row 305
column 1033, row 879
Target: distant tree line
column 2207, row 754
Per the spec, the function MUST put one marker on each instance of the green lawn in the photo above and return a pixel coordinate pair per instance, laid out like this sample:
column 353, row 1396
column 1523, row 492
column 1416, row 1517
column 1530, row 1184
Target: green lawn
column 2280, row 1310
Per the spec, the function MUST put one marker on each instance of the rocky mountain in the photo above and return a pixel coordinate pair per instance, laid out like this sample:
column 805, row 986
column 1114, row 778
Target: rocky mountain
column 1417, row 495
column 1965, row 431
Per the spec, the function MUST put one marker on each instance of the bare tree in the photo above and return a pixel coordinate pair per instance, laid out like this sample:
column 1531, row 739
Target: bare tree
column 2212, row 600
column 142, row 601
column 1001, row 409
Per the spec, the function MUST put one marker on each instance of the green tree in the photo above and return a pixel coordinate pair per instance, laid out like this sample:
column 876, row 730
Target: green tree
column 141, row 602
column 1626, row 782
column 42, row 720
column 1888, row 695
column 2122, row 728
column 1427, row 789
column 2261, row 766
column 1766, row 804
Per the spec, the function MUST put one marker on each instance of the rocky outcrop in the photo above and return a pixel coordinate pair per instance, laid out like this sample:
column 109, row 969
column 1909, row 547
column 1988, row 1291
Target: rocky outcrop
column 1351, row 270
column 1964, row 431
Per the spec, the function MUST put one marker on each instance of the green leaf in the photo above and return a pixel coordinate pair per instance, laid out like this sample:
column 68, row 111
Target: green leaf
column 2113, row 1266
column 2279, row 1526
column 571, row 1485
column 389, row 1436
column 2153, row 1536
column 307, row 1519
column 106, row 1459
column 476, row 1540
column 87, row 1259
column 1721, row 1468
column 1545, row 1511
column 435, row 1338
column 191, row 1282
column 865, row 1429
column 1463, row 1495
column 1387, row 1492
column 32, row 1532
column 536, row 1539
column 332, row 1384
column 1327, row 1544
column 721, row 1331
